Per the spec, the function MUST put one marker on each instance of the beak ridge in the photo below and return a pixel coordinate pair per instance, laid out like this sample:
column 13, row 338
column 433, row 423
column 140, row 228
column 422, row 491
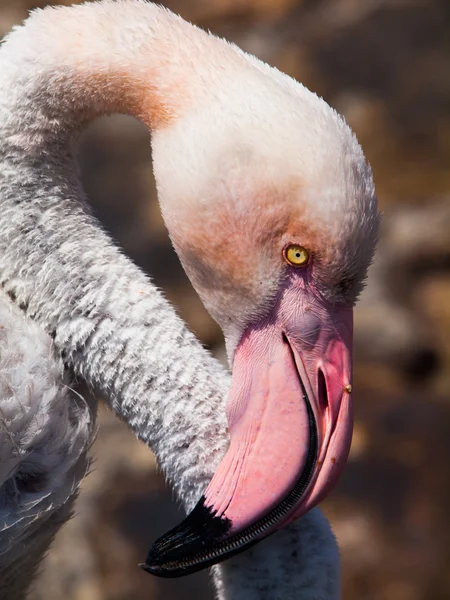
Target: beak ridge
column 290, row 427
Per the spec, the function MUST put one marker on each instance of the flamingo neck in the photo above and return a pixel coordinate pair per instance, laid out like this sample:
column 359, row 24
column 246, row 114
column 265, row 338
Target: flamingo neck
column 66, row 67
column 63, row 68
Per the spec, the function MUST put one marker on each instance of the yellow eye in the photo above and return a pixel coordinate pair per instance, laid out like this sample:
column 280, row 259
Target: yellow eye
column 295, row 255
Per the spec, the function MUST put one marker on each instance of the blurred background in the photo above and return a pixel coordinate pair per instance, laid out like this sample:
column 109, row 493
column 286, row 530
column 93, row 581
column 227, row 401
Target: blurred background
column 385, row 65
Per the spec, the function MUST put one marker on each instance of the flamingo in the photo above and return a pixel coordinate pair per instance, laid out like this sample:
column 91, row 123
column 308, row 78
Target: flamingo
column 270, row 205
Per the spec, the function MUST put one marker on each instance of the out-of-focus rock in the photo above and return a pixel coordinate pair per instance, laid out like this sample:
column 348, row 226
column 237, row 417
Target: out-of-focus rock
column 392, row 324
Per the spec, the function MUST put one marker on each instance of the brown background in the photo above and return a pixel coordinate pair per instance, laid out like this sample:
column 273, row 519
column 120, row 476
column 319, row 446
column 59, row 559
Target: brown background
column 385, row 64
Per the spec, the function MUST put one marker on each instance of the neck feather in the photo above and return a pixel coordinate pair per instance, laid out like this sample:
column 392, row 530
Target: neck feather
column 128, row 57
column 64, row 67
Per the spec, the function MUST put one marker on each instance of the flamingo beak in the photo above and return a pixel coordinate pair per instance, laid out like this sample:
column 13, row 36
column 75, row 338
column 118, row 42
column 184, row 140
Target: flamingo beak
column 290, row 422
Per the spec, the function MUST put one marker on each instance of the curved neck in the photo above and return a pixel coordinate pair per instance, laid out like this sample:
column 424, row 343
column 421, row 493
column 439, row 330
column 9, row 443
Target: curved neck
column 68, row 65
column 64, row 67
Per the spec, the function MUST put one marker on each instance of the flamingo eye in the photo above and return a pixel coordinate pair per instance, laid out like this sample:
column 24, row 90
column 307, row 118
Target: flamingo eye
column 296, row 255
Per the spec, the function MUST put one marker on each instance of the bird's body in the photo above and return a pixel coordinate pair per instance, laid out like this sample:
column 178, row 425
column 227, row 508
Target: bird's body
column 270, row 168
column 45, row 432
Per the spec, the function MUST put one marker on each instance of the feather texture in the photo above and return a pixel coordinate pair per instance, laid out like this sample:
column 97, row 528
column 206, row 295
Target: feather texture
column 45, row 431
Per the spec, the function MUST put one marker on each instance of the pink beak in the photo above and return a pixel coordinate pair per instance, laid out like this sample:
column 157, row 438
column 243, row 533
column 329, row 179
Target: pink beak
column 290, row 422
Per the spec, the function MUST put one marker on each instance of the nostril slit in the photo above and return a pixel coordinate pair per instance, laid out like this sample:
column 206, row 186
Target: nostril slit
column 322, row 391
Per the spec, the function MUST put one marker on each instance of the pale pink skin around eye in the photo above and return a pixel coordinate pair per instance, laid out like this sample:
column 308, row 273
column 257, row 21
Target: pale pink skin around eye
column 267, row 415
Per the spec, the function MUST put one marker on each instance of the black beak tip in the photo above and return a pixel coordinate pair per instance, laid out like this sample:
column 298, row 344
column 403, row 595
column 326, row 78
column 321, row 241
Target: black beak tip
column 204, row 538
column 155, row 563
column 154, row 570
column 182, row 550
column 147, row 568
column 172, row 573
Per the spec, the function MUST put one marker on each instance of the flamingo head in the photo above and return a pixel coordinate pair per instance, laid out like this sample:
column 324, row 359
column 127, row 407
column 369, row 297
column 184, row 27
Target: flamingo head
column 271, row 208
